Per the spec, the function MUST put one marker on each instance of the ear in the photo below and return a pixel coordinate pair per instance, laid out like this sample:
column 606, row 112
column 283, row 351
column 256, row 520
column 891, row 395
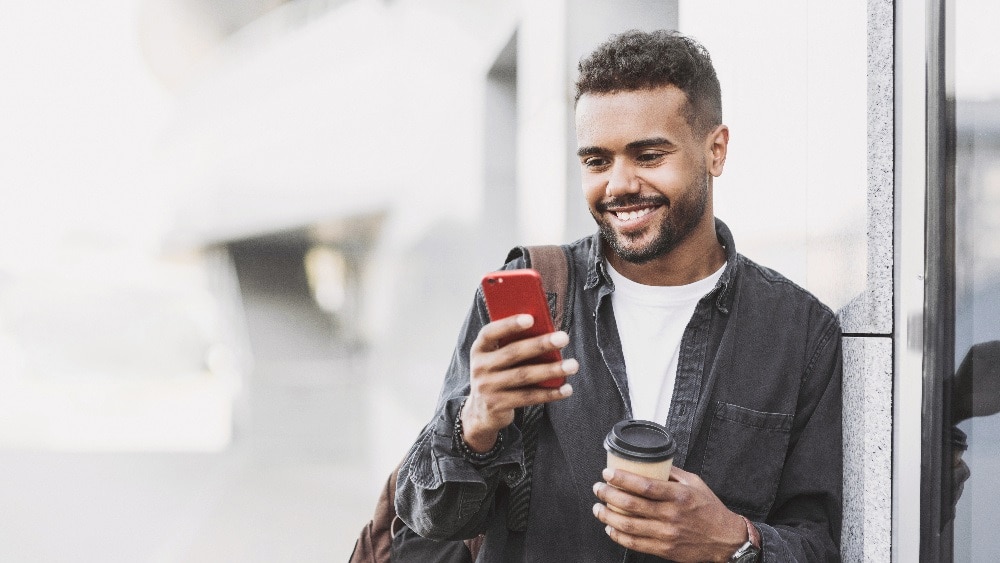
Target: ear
column 716, row 145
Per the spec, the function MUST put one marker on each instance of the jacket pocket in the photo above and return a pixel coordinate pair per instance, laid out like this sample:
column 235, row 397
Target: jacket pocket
column 744, row 457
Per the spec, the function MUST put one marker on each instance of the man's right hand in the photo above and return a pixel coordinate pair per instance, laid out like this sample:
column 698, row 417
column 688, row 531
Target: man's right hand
column 499, row 384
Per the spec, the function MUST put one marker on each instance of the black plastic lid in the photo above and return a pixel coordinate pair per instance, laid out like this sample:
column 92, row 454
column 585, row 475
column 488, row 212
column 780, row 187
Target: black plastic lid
column 640, row 440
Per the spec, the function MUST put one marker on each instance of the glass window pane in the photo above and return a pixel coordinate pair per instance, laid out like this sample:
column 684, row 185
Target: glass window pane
column 975, row 388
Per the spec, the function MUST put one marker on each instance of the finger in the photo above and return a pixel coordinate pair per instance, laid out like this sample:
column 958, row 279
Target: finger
column 529, row 375
column 623, row 501
column 656, row 489
column 641, row 544
column 493, row 333
column 623, row 527
column 532, row 349
column 532, row 395
column 503, row 369
column 518, row 387
column 523, row 361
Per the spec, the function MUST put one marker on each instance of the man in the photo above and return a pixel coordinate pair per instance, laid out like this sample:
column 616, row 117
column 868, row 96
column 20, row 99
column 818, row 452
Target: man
column 670, row 323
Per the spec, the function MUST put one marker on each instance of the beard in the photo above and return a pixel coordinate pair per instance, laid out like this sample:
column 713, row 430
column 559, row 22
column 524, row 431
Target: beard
column 683, row 216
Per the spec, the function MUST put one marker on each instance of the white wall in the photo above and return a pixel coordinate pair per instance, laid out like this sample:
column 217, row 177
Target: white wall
column 794, row 191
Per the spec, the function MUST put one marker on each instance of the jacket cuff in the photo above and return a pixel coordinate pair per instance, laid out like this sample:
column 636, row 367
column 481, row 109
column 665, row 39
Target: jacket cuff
column 775, row 548
column 769, row 542
column 508, row 464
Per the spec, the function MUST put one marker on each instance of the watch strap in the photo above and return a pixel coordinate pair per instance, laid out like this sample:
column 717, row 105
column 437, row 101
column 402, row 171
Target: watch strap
column 749, row 552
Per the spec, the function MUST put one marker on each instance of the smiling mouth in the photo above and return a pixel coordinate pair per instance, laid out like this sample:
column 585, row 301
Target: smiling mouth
column 632, row 208
column 629, row 216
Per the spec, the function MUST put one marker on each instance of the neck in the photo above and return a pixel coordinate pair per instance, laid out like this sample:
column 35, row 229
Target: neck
column 695, row 258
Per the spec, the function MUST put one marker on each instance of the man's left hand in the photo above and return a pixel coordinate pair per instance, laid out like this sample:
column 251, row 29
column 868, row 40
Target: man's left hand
column 680, row 519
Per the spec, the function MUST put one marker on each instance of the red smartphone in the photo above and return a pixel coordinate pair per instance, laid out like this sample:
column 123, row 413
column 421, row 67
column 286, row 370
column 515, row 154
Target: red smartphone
column 514, row 292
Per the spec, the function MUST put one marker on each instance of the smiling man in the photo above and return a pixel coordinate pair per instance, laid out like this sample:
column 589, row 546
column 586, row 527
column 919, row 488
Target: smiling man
column 647, row 178
column 670, row 324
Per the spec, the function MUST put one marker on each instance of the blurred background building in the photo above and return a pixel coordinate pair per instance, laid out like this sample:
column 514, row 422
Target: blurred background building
column 238, row 239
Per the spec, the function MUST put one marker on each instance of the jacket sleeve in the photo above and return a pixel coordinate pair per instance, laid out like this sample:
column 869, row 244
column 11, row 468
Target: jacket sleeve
column 805, row 522
column 439, row 494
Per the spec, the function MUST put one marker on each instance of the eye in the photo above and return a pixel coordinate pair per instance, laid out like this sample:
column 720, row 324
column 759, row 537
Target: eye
column 595, row 162
column 650, row 157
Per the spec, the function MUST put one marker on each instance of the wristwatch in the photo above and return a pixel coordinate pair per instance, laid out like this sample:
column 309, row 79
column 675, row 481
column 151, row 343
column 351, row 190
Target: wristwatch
column 749, row 552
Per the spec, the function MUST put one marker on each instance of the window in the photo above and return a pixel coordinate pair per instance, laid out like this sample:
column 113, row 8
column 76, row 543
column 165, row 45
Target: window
column 962, row 350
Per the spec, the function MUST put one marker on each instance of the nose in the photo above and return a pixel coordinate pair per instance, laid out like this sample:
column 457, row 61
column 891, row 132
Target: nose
column 621, row 180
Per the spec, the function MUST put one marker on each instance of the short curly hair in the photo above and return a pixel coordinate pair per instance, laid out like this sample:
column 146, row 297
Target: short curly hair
column 638, row 60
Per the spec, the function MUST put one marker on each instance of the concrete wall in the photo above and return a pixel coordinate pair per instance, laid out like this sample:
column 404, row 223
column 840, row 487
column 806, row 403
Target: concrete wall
column 868, row 361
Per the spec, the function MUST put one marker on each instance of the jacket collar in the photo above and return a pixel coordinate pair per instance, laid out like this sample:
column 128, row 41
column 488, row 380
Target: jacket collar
column 597, row 273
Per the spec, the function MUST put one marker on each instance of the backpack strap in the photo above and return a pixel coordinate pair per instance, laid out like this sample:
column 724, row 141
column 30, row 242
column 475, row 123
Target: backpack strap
column 553, row 263
column 374, row 544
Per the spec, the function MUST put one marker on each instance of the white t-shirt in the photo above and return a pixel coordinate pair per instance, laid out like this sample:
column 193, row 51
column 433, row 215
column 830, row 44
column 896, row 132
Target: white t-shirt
column 651, row 321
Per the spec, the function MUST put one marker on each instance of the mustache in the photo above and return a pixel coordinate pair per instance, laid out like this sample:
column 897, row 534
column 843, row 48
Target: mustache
column 631, row 200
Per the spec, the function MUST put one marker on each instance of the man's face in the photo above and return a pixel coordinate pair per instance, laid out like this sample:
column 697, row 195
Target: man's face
column 644, row 169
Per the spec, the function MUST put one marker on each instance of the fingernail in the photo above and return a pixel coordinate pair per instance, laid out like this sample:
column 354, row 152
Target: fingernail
column 598, row 487
column 525, row 321
column 607, row 530
column 559, row 339
column 570, row 366
column 597, row 509
column 566, row 390
column 608, row 474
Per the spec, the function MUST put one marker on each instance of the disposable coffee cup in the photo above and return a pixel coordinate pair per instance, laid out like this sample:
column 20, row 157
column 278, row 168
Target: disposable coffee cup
column 642, row 447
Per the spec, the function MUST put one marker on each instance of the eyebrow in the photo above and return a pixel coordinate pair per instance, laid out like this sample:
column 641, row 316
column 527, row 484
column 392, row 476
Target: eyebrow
column 634, row 145
column 643, row 143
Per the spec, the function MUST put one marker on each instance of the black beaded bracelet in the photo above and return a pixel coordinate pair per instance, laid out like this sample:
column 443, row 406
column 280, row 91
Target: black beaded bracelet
column 463, row 448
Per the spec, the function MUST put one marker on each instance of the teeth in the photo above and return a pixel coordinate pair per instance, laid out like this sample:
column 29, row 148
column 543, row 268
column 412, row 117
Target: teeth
column 633, row 215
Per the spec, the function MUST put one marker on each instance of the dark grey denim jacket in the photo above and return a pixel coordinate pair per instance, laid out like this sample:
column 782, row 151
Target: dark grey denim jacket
column 756, row 413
